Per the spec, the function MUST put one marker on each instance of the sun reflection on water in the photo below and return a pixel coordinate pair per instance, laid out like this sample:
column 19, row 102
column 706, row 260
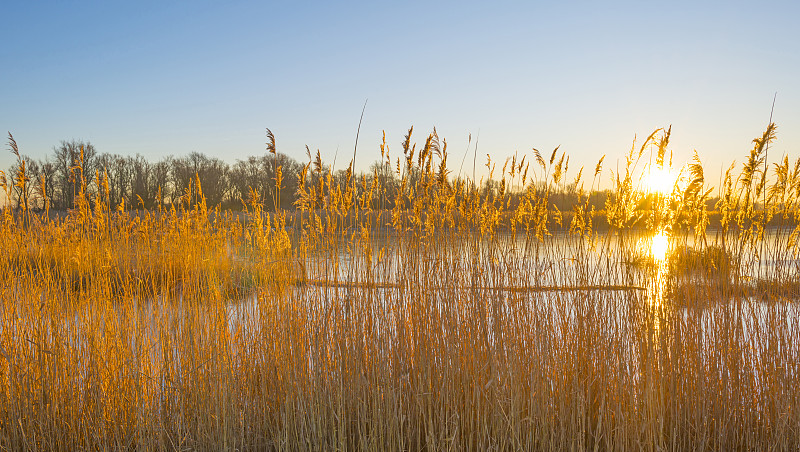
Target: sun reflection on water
column 659, row 245
column 657, row 285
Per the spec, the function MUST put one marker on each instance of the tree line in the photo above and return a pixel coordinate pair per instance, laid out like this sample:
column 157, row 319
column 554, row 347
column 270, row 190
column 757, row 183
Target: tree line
column 133, row 182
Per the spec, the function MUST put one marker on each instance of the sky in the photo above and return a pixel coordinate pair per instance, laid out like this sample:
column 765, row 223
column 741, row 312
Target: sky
column 170, row 78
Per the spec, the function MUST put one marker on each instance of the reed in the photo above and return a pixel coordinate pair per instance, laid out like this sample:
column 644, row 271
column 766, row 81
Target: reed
column 467, row 316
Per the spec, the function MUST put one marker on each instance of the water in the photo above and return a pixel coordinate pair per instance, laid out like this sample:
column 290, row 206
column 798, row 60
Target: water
column 622, row 287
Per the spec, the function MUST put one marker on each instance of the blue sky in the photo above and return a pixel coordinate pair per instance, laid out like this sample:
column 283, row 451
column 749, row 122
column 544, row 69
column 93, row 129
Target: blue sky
column 161, row 78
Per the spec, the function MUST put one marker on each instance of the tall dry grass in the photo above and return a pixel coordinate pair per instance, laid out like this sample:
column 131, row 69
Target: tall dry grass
column 456, row 319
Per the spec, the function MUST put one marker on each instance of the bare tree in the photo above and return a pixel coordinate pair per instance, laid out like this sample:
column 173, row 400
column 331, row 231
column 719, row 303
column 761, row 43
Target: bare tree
column 118, row 170
column 160, row 180
column 249, row 174
column 211, row 172
column 143, row 188
column 75, row 164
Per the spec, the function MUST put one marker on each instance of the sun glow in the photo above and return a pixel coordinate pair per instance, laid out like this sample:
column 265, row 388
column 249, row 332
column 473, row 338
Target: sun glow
column 659, row 246
column 661, row 180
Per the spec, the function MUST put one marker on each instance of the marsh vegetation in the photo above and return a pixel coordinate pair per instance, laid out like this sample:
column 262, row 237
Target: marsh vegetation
column 429, row 312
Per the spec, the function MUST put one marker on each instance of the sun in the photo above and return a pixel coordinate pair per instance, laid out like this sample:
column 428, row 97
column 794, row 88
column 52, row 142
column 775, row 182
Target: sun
column 660, row 180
